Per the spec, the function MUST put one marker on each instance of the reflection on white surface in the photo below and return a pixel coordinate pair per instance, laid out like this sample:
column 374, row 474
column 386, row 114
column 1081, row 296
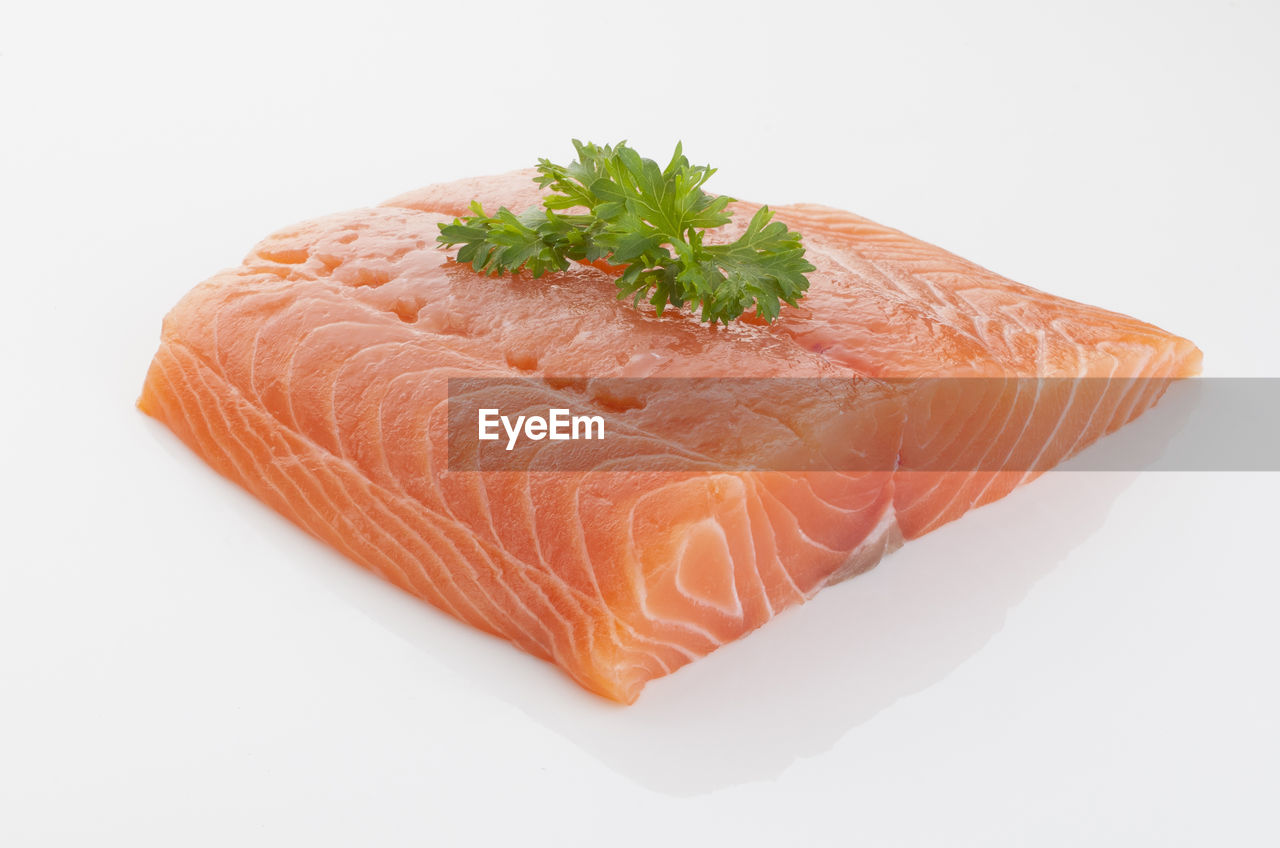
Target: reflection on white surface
column 798, row 685
column 794, row 688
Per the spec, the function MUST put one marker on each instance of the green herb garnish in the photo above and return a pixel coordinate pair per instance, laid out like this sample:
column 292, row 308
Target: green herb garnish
column 650, row 220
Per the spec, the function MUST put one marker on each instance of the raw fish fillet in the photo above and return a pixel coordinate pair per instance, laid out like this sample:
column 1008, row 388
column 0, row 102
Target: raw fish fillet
column 316, row 375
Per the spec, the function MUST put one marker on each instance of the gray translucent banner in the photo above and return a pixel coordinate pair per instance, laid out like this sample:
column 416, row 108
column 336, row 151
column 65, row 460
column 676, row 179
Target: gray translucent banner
column 863, row 425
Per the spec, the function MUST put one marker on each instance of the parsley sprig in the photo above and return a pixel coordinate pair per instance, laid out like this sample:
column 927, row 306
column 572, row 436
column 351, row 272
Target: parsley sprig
column 652, row 221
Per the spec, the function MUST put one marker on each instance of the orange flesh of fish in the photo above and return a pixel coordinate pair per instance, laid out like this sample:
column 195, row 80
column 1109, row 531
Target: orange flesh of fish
column 316, row 375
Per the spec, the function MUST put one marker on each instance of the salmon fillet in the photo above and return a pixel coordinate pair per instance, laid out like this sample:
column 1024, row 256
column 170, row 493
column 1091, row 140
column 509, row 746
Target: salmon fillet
column 317, row 376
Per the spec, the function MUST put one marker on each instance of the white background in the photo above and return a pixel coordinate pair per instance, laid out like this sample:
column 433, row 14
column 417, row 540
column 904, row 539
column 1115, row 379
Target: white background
column 1091, row 661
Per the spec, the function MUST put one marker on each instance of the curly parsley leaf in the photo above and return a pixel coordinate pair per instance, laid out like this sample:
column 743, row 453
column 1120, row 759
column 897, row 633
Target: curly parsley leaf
column 649, row 219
